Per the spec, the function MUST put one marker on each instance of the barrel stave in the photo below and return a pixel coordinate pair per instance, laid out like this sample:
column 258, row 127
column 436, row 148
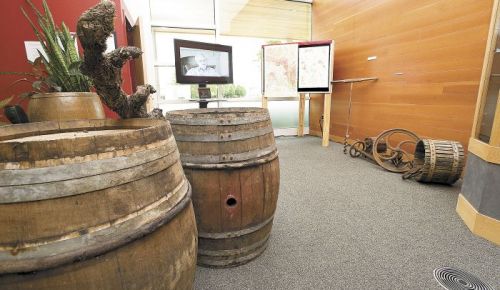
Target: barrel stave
column 79, row 212
column 165, row 259
column 223, row 147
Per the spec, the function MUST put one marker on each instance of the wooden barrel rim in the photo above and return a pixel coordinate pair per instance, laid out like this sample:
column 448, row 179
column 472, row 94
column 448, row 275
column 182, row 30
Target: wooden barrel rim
column 65, row 94
column 41, row 255
column 243, row 159
column 253, row 162
column 456, row 161
column 10, row 177
column 54, row 162
column 234, row 234
column 26, row 154
column 50, row 127
column 433, row 157
column 64, row 188
column 219, row 117
column 224, row 137
column 239, row 251
column 207, row 260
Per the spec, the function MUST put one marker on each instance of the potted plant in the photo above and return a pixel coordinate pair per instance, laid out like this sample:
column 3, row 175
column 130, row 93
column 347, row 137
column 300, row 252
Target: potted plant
column 62, row 92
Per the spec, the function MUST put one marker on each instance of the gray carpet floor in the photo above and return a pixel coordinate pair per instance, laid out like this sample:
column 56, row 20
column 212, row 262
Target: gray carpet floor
column 344, row 223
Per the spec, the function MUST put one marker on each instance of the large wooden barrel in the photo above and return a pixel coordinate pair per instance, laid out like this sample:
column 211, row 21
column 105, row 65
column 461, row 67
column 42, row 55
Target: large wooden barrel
column 96, row 204
column 440, row 161
column 65, row 106
column 229, row 155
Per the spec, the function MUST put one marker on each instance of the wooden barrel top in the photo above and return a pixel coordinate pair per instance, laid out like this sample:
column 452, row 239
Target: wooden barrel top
column 218, row 117
column 223, row 137
column 53, row 143
column 66, row 135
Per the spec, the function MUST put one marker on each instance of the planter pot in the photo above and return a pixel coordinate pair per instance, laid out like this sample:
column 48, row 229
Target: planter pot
column 15, row 114
column 65, row 106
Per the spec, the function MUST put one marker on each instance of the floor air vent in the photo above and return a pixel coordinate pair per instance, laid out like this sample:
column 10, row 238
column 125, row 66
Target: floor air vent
column 456, row 279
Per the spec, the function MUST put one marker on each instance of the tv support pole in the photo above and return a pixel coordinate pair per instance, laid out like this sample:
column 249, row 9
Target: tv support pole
column 205, row 97
column 203, row 94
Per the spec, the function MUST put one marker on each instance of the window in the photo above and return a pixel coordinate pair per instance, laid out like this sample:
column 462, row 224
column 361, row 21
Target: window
column 274, row 19
column 168, row 89
column 183, row 13
column 245, row 25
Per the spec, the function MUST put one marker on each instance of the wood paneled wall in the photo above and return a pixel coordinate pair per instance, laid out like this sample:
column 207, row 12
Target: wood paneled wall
column 429, row 59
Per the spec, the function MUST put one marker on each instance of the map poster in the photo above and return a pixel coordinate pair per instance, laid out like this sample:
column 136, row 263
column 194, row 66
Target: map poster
column 280, row 70
column 314, row 68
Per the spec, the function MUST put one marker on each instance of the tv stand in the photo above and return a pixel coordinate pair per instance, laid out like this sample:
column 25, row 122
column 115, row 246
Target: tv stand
column 204, row 94
column 203, row 104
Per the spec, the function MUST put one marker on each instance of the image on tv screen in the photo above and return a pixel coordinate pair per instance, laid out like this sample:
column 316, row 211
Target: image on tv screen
column 205, row 63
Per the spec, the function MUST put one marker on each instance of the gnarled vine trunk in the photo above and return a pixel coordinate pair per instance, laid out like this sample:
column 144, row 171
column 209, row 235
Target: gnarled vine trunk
column 93, row 28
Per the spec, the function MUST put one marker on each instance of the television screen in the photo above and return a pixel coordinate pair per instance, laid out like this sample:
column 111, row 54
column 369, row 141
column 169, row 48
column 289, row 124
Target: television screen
column 202, row 63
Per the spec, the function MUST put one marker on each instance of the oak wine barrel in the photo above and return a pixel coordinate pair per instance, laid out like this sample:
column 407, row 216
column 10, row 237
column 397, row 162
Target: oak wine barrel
column 230, row 157
column 94, row 204
column 439, row 161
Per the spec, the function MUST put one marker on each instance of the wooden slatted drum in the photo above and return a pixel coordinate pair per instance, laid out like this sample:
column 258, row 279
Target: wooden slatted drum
column 95, row 204
column 230, row 157
column 441, row 161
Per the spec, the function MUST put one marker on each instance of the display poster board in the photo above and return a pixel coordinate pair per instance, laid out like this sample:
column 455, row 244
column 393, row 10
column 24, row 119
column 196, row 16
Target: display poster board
column 292, row 68
column 280, row 70
column 314, row 71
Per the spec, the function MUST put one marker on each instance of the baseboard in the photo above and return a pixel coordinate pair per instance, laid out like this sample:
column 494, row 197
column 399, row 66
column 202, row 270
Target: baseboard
column 289, row 131
column 334, row 138
column 481, row 225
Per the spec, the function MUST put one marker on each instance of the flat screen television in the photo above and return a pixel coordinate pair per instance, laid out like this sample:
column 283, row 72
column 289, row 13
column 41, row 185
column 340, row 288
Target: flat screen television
column 202, row 63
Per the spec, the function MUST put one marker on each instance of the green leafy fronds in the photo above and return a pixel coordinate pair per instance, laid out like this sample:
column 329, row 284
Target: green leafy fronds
column 48, row 18
column 35, row 29
column 33, row 7
column 61, row 53
column 70, row 42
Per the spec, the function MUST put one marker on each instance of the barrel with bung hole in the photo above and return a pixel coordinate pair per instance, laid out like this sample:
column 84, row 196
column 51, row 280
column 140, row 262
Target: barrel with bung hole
column 439, row 161
column 229, row 155
column 94, row 204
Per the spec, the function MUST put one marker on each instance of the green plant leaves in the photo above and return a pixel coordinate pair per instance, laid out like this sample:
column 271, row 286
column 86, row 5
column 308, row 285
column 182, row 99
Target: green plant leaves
column 62, row 61
column 74, row 67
